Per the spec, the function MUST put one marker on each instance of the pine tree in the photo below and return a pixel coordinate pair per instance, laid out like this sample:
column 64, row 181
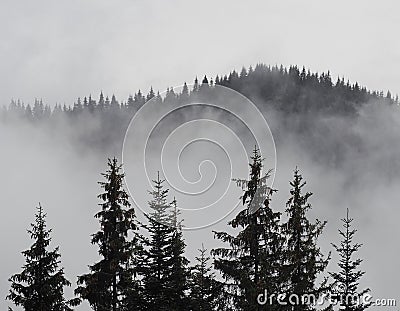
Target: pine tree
column 303, row 259
column 40, row 285
column 114, row 103
column 158, row 255
column 38, row 110
column 243, row 73
column 91, row 104
column 150, row 95
column 204, row 89
column 347, row 280
column 158, row 99
column 101, row 104
column 196, row 87
column 85, row 104
column 57, row 111
column 107, row 103
column 170, row 96
column 184, row 95
column 139, row 100
column 109, row 281
column 250, row 264
column 178, row 275
column 78, row 108
column 131, row 102
column 204, row 83
column 28, row 113
column 204, row 293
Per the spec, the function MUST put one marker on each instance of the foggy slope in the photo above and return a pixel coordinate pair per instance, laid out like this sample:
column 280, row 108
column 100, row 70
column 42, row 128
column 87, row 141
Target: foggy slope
column 343, row 138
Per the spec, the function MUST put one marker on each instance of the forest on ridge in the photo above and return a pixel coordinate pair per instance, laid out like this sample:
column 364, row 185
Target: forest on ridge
column 143, row 265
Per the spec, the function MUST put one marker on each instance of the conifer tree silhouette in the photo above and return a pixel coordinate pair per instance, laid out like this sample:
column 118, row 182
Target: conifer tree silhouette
column 347, row 279
column 40, row 285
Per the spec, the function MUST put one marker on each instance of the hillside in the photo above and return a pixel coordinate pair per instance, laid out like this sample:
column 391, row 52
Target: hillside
column 294, row 101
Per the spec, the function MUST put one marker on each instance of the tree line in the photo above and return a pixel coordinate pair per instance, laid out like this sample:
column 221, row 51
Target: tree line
column 143, row 265
column 296, row 97
column 292, row 90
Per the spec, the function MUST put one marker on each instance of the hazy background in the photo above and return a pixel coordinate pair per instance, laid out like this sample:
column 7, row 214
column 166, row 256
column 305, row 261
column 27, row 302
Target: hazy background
column 54, row 168
column 61, row 50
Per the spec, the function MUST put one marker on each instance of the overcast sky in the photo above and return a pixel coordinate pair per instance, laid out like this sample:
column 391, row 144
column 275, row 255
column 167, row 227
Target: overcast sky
column 60, row 50
column 64, row 49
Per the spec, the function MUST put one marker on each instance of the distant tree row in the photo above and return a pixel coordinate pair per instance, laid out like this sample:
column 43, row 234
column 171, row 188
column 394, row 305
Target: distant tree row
column 287, row 89
column 143, row 266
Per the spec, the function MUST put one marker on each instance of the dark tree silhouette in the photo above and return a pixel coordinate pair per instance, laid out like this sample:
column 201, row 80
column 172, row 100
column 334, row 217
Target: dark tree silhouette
column 165, row 275
column 347, row 279
column 303, row 261
column 157, row 258
column 205, row 289
column 298, row 96
column 40, row 285
column 264, row 255
column 250, row 264
column 179, row 273
column 109, row 281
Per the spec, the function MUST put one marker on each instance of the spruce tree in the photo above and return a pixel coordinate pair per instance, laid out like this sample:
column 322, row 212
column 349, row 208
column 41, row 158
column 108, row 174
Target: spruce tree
column 130, row 103
column 184, row 95
column 303, row 261
column 139, row 100
column 196, row 87
column 114, row 104
column 38, row 110
column 101, row 104
column 157, row 270
column 347, row 279
column 250, row 264
column 28, row 113
column 150, row 95
column 165, row 274
column 40, row 285
column 78, row 108
column 204, row 293
column 179, row 274
column 110, row 280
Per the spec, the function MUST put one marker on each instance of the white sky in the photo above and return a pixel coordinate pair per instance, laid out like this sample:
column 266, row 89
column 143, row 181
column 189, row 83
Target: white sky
column 60, row 50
